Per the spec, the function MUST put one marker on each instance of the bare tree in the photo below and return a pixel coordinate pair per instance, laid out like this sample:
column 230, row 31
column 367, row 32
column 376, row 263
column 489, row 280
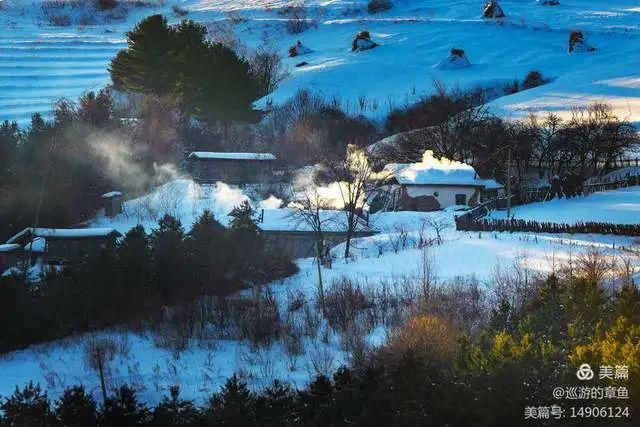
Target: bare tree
column 267, row 68
column 98, row 354
column 353, row 174
column 438, row 224
column 308, row 209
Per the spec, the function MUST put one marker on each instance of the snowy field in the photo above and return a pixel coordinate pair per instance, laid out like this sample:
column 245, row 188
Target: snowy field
column 40, row 63
column 616, row 206
column 389, row 260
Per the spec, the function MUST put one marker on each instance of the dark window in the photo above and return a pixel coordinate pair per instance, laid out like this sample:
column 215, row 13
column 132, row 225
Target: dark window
column 461, row 199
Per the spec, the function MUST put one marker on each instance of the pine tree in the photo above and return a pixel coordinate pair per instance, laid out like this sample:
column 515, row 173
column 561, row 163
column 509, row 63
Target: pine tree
column 76, row 408
column 169, row 260
column 175, row 412
column 26, row 407
column 146, row 65
column 123, row 410
column 209, row 254
column 233, row 406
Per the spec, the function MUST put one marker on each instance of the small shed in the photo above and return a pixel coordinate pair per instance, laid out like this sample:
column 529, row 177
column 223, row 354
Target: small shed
column 290, row 231
column 112, row 203
column 430, row 185
column 208, row 167
column 64, row 245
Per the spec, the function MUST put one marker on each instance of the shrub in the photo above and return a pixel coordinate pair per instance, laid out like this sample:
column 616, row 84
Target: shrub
column 60, row 20
column 431, row 339
column 298, row 21
column 179, row 11
column 377, row 6
column 512, row 87
column 532, row 79
column 106, row 4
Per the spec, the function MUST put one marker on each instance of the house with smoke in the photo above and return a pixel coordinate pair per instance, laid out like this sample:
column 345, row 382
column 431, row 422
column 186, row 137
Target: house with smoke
column 295, row 232
column 57, row 246
column 431, row 185
column 209, row 167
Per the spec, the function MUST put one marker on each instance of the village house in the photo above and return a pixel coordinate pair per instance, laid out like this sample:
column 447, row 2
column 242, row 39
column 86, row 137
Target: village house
column 292, row 232
column 63, row 245
column 431, row 185
column 208, row 167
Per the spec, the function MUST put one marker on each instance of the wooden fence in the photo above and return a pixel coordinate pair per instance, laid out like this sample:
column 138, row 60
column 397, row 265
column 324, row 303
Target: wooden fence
column 521, row 225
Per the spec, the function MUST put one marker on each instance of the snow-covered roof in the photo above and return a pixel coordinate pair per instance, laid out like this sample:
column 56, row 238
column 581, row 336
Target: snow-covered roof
column 111, row 194
column 231, row 156
column 9, row 247
column 433, row 171
column 491, row 184
column 292, row 220
column 64, row 233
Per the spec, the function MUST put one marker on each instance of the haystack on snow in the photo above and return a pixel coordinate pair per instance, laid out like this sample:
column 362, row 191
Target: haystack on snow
column 456, row 60
column 493, row 10
column 362, row 41
column 578, row 42
column 298, row 49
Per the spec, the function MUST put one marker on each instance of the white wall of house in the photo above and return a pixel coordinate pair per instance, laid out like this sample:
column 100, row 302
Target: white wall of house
column 446, row 195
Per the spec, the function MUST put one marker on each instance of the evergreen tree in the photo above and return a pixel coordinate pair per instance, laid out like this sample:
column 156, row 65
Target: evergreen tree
column 169, row 260
column 233, row 406
column 146, row 65
column 275, row 405
column 175, row 412
column 76, row 408
column 26, row 407
column 123, row 410
column 134, row 265
column 209, row 254
column 212, row 82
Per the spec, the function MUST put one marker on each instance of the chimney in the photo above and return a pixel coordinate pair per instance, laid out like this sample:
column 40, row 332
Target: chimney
column 112, row 203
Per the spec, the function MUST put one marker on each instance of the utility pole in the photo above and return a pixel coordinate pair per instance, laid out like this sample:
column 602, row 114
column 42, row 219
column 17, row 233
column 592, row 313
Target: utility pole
column 509, row 184
column 320, row 284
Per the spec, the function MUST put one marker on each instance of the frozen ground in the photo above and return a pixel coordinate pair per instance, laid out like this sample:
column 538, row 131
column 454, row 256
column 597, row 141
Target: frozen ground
column 392, row 256
column 617, row 206
column 39, row 63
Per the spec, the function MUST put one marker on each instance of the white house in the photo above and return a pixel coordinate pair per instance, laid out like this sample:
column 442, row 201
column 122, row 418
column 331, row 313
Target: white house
column 430, row 185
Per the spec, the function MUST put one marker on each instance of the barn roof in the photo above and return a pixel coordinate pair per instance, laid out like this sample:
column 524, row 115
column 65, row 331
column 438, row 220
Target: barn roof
column 111, row 194
column 9, row 247
column 64, row 233
column 212, row 155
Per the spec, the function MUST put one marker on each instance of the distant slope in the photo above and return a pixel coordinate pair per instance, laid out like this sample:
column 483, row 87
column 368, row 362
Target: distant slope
column 616, row 206
column 38, row 65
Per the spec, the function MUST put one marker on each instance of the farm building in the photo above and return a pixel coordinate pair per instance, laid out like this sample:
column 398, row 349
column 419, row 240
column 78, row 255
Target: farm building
column 431, row 185
column 291, row 231
column 63, row 245
column 208, row 167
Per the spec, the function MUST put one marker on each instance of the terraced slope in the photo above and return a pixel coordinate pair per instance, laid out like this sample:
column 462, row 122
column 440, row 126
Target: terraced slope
column 38, row 67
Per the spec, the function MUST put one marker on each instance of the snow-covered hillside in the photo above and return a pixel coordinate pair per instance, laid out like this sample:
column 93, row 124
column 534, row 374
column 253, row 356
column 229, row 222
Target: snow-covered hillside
column 388, row 262
column 414, row 36
column 615, row 206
